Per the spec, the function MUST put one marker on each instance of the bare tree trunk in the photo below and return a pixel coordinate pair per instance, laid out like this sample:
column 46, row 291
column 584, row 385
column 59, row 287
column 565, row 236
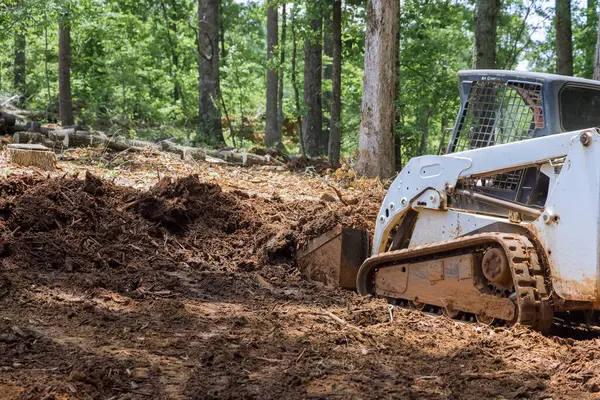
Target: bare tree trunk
column 397, row 107
column 564, row 41
column 208, row 68
column 327, row 73
column 376, row 141
column 335, row 135
column 597, row 56
column 295, row 85
column 425, row 135
column 486, row 23
column 591, row 22
column 46, row 72
column 281, row 62
column 313, row 122
column 64, row 73
column 170, row 16
column 272, row 137
column 19, row 61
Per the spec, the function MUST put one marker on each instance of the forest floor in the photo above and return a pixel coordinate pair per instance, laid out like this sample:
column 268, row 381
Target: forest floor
column 142, row 277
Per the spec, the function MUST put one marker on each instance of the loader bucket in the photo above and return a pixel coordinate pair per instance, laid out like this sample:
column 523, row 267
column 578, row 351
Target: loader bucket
column 335, row 257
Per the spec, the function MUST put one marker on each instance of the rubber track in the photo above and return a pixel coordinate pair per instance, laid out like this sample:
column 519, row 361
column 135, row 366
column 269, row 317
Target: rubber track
column 534, row 310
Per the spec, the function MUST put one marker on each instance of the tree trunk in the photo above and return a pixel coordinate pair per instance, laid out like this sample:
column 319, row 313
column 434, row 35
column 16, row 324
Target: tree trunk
column 486, row 22
column 591, row 22
column 327, row 73
column 295, row 85
column 564, row 41
column 425, row 135
column 210, row 130
column 281, row 62
column 19, row 62
column 64, row 73
column 170, row 16
column 272, row 137
column 376, row 141
column 335, row 135
column 398, row 116
column 313, row 121
column 597, row 55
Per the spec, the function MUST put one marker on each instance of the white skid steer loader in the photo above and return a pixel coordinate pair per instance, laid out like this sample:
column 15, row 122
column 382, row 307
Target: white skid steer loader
column 505, row 227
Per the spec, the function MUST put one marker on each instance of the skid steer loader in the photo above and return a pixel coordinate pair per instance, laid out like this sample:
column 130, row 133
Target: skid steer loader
column 506, row 225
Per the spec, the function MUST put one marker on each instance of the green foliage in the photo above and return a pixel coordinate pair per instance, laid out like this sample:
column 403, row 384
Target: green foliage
column 134, row 67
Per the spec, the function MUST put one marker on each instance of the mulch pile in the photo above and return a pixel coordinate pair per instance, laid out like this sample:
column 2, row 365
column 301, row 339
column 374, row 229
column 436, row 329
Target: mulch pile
column 72, row 225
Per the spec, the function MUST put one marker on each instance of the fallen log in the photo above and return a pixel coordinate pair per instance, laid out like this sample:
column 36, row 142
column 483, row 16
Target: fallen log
column 246, row 159
column 71, row 137
column 186, row 153
column 65, row 138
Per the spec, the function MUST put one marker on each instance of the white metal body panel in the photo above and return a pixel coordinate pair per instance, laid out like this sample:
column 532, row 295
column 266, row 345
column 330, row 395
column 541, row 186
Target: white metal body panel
column 571, row 236
column 436, row 226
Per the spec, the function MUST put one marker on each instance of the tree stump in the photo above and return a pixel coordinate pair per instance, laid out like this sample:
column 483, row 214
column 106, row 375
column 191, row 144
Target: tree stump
column 32, row 155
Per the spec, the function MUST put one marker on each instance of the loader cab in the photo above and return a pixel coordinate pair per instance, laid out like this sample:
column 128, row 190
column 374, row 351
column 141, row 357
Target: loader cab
column 498, row 107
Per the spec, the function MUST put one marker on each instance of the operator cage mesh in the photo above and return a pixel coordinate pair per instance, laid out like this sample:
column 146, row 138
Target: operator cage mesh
column 497, row 113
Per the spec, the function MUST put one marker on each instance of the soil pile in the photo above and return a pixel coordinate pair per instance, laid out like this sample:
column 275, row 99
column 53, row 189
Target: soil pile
column 91, row 226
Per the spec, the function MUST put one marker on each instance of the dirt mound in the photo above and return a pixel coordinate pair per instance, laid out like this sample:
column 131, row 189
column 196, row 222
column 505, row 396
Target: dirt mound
column 89, row 225
column 177, row 204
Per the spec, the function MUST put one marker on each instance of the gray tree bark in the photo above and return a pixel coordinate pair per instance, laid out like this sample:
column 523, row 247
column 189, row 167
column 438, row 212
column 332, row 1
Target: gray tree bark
column 564, row 38
column 376, row 141
column 281, row 62
column 591, row 23
column 64, row 73
column 313, row 120
column 210, row 130
column 19, row 61
column 335, row 135
column 597, row 55
column 327, row 73
column 295, row 84
column 486, row 23
column 272, row 136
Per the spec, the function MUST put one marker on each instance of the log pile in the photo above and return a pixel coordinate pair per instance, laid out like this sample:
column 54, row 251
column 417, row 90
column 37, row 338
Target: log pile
column 68, row 137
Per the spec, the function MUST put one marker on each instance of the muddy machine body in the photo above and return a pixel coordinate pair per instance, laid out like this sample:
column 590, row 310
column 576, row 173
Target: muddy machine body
column 506, row 225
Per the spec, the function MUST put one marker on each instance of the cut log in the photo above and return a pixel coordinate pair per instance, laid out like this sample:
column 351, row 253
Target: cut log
column 186, row 153
column 242, row 158
column 32, row 155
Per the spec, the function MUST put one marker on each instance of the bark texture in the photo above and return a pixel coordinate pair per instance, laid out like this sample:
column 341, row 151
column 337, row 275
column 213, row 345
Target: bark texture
column 272, row 136
column 589, row 37
column 281, row 62
column 210, row 130
column 19, row 61
column 335, row 134
column 327, row 73
column 295, row 84
column 597, row 55
column 64, row 74
column 486, row 23
column 313, row 120
column 376, row 142
column 564, row 41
